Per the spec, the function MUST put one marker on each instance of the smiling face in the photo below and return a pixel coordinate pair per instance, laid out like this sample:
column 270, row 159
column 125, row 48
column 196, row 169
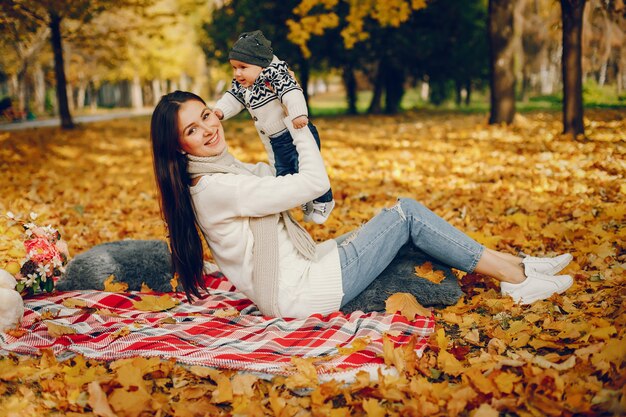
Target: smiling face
column 245, row 74
column 200, row 132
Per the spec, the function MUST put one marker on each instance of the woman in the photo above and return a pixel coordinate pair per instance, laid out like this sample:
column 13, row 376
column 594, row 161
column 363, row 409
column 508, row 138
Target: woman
column 241, row 209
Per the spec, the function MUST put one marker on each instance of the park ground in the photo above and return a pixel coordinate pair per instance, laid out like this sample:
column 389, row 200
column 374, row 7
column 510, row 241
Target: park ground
column 523, row 187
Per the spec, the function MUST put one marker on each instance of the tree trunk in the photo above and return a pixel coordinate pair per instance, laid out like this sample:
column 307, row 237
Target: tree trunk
column 501, row 52
column 136, row 95
column 349, row 82
column 59, row 71
column 602, row 74
column 156, row 91
column 39, row 85
column 468, row 89
column 458, row 96
column 424, row 90
column 80, row 95
column 572, row 15
column 394, row 88
column 375, row 105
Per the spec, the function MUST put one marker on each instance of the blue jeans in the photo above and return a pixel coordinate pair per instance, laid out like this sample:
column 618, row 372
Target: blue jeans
column 286, row 157
column 365, row 253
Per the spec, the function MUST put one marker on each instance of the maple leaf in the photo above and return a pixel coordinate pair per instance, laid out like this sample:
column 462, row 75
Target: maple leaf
column 357, row 345
column 407, row 305
column 155, row 303
column 305, row 375
column 111, row 286
column 145, row 288
column 74, row 303
column 449, row 364
column 372, row 408
column 57, row 330
column 98, row 401
column 224, row 391
column 426, row 271
column 243, row 384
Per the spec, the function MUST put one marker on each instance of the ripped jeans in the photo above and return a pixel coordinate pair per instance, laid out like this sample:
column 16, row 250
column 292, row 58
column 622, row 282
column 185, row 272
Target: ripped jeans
column 366, row 252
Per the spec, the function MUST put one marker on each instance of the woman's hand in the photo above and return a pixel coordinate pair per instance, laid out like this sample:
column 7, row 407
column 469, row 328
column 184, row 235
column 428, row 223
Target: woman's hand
column 300, row 121
column 218, row 113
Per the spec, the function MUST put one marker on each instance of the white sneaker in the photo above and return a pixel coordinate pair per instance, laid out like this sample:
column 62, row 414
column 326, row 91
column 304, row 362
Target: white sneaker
column 320, row 212
column 548, row 266
column 307, row 209
column 536, row 287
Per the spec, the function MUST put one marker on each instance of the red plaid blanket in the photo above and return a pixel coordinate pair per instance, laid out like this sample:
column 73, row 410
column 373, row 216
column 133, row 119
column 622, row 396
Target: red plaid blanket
column 224, row 330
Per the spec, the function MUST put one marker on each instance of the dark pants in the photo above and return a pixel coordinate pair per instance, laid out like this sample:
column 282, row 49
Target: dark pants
column 286, row 157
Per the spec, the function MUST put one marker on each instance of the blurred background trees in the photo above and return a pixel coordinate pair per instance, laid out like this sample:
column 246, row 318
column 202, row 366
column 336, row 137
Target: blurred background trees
column 69, row 56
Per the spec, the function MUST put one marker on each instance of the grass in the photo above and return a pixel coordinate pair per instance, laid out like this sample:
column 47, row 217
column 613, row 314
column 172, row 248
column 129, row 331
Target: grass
column 594, row 97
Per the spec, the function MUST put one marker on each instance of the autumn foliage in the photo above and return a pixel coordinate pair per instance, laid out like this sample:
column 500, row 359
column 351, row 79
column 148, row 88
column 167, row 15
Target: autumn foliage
column 518, row 188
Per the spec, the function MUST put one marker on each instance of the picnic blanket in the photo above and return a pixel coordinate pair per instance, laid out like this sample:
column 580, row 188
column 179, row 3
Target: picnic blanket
column 223, row 330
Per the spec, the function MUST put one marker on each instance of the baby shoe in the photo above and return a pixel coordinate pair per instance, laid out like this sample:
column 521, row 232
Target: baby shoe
column 307, row 209
column 320, row 212
column 536, row 286
column 548, row 266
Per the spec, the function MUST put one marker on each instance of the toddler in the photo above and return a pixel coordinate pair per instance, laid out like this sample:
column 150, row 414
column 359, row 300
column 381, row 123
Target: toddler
column 263, row 84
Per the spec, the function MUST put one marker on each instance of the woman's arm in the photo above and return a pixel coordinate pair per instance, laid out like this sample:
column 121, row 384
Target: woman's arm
column 254, row 196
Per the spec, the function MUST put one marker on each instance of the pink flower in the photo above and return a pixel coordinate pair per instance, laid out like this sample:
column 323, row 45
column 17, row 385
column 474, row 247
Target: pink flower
column 41, row 250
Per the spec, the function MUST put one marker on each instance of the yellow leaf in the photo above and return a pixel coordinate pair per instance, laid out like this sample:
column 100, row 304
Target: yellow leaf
column 12, row 267
column 56, row 330
column 155, row 303
column 124, row 331
column 426, row 271
column 442, row 339
column 243, row 384
column 485, row 410
column 305, row 375
column 459, row 400
column 174, row 282
column 145, row 288
column 110, row 286
column 98, row 401
column 224, row 391
column 479, row 381
column 372, row 408
column 226, row 312
column 604, row 333
column 356, row 345
column 449, row 364
column 74, row 303
column 506, row 381
column 407, row 305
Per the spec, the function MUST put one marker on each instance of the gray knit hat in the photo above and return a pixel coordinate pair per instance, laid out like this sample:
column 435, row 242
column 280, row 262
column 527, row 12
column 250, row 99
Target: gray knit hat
column 252, row 48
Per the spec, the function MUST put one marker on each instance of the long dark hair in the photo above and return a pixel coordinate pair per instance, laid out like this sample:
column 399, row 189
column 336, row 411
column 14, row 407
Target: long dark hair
column 170, row 169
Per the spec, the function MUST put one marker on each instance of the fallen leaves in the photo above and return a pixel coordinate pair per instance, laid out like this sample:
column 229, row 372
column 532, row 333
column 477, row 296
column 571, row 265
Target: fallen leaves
column 512, row 188
column 58, row 330
column 407, row 305
column 426, row 271
column 111, row 286
column 155, row 303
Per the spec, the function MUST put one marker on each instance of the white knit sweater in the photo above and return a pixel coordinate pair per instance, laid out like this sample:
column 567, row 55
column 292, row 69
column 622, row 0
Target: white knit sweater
column 274, row 95
column 225, row 202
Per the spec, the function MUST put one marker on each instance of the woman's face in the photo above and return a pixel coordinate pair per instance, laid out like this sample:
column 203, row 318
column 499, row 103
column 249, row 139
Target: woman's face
column 200, row 131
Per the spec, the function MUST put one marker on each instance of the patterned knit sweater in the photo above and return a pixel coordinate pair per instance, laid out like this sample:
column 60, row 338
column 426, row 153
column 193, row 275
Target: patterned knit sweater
column 274, row 95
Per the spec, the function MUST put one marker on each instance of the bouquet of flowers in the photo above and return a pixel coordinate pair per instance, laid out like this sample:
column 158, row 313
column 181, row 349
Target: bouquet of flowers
column 46, row 257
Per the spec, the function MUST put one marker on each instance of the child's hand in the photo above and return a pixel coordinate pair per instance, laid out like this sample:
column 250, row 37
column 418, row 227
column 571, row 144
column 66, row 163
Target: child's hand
column 300, row 121
column 219, row 113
